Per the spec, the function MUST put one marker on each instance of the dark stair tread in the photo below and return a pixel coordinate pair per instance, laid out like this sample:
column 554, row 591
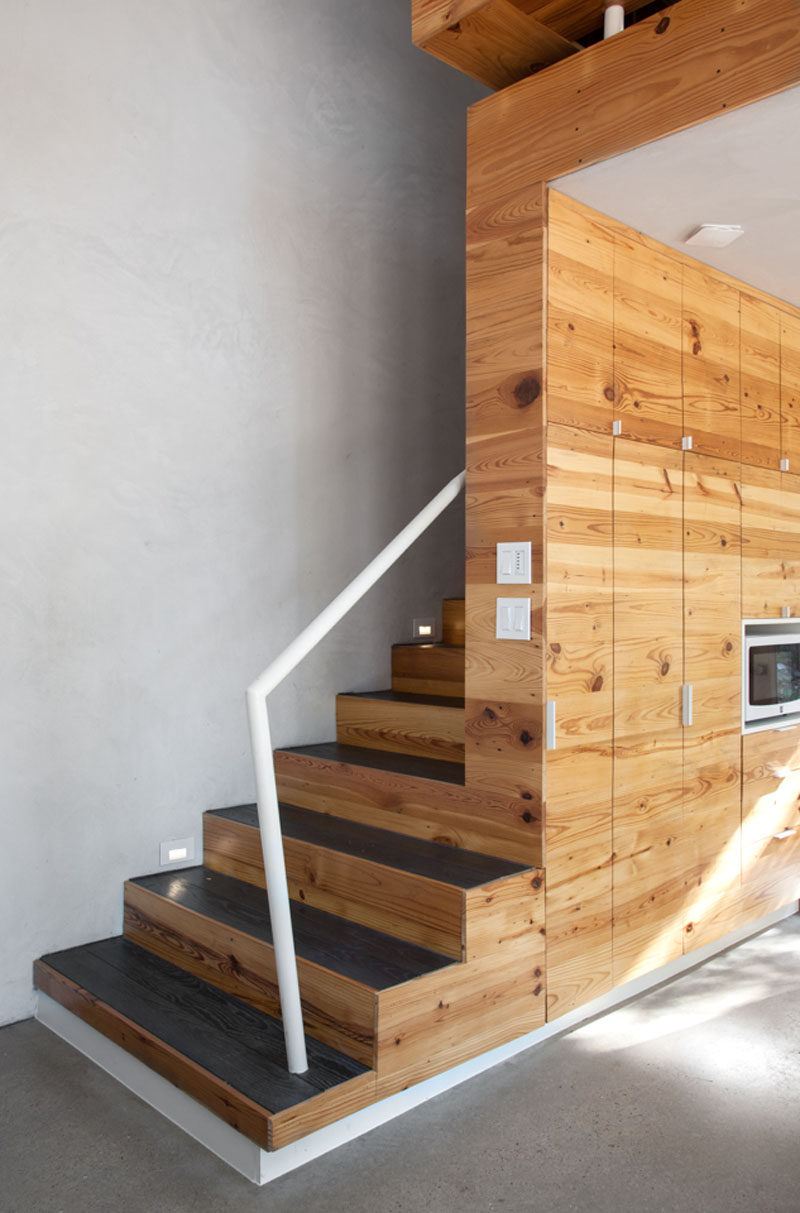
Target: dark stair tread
column 434, row 860
column 384, row 760
column 359, row 953
column 436, row 701
column 238, row 1044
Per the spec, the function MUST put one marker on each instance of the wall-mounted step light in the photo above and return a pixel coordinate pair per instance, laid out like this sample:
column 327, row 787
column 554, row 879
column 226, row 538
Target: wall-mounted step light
column 176, row 852
column 424, row 629
column 714, row 235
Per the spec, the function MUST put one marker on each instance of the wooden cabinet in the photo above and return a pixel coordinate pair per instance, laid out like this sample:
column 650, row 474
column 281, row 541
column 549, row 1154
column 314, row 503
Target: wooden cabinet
column 770, row 543
column 790, row 391
column 647, row 342
column 712, row 668
column 770, row 830
column 711, row 363
column 760, row 383
column 579, row 663
column 650, row 856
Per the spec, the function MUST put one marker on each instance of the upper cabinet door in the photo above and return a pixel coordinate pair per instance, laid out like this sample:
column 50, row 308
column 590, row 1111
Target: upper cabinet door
column 711, row 364
column 580, row 318
column 760, row 363
column 647, row 336
column 790, row 391
column 763, row 544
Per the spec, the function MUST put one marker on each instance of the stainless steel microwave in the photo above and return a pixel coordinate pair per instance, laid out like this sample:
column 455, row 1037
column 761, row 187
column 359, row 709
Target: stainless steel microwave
column 771, row 674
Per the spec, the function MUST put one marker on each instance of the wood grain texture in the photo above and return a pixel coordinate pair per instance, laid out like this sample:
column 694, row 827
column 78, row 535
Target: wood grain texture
column 570, row 18
column 453, row 622
column 580, row 317
column 421, row 808
column 790, row 390
column 672, row 71
column 579, row 658
column 505, row 915
column 428, row 669
column 336, row 1009
column 766, row 533
column 404, row 726
column 415, row 908
column 432, row 1025
column 498, row 44
column 711, row 363
column 647, row 340
column 219, row 1097
column 760, row 373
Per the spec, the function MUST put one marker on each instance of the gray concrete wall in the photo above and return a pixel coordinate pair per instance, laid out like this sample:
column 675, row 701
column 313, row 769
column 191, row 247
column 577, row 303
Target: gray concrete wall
column 231, row 264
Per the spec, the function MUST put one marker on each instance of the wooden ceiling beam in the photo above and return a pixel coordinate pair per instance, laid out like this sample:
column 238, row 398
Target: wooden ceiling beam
column 497, row 44
column 695, row 61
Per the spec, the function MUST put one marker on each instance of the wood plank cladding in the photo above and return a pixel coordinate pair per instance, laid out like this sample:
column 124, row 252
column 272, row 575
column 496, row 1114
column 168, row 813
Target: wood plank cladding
column 496, row 44
column 652, row 556
column 699, row 59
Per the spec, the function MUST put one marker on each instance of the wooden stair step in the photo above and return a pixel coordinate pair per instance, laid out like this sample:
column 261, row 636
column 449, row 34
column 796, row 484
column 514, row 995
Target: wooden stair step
column 429, row 726
column 409, row 766
column 453, row 622
column 225, row 1054
column 406, row 887
column 421, row 797
column 218, row 928
column 428, row 669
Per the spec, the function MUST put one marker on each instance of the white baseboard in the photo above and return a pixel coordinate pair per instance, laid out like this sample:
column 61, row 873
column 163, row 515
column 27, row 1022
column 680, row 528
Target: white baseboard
column 260, row 1166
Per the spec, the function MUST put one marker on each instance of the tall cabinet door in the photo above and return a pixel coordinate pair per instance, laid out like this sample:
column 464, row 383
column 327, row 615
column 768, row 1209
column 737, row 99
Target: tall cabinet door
column 579, row 680
column 712, row 669
column 650, row 852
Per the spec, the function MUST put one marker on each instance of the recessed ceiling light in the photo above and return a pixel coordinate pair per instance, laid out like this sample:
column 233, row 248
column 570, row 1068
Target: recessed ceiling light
column 715, row 235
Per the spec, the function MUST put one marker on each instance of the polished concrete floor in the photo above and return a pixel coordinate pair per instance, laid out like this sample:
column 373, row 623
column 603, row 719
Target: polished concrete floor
column 686, row 1099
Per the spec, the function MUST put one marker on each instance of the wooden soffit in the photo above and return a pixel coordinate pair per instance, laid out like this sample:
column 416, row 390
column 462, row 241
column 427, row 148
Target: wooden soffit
column 695, row 61
column 501, row 41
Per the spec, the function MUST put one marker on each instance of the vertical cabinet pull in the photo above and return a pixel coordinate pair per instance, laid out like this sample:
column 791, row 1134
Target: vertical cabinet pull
column 550, row 725
column 687, row 704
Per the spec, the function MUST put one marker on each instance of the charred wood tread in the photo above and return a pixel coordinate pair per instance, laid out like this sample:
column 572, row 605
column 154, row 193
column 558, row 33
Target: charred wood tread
column 359, row 953
column 432, row 860
column 432, row 701
column 384, row 760
column 231, row 1040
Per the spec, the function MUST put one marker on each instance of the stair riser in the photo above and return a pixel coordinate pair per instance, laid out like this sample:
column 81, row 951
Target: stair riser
column 453, row 622
column 419, row 808
column 220, row 1098
column 428, row 670
column 420, row 729
column 410, row 907
column 336, row 1010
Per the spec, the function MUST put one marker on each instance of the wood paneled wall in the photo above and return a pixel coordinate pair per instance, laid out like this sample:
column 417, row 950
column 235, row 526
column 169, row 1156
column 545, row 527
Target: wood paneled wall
column 646, row 558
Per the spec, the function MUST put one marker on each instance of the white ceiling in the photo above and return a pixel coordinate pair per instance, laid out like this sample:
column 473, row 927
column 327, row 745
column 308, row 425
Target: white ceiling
column 743, row 167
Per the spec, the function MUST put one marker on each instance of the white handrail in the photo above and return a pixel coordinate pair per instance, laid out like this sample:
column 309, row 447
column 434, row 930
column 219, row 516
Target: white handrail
column 266, row 789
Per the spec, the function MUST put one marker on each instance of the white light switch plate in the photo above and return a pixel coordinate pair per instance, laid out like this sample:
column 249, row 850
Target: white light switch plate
column 514, row 563
column 513, row 621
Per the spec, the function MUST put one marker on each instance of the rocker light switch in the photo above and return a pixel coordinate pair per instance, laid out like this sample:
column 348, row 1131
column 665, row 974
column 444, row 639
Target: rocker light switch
column 514, row 563
column 513, row 620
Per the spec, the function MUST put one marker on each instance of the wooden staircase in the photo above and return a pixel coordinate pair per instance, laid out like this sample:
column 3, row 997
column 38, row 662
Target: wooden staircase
column 418, row 922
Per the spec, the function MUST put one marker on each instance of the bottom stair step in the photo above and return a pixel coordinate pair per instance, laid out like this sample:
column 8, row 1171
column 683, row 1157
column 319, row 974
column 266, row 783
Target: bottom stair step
column 225, row 1054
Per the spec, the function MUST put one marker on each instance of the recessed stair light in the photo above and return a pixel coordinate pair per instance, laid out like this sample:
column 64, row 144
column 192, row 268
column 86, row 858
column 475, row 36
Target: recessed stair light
column 715, row 235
